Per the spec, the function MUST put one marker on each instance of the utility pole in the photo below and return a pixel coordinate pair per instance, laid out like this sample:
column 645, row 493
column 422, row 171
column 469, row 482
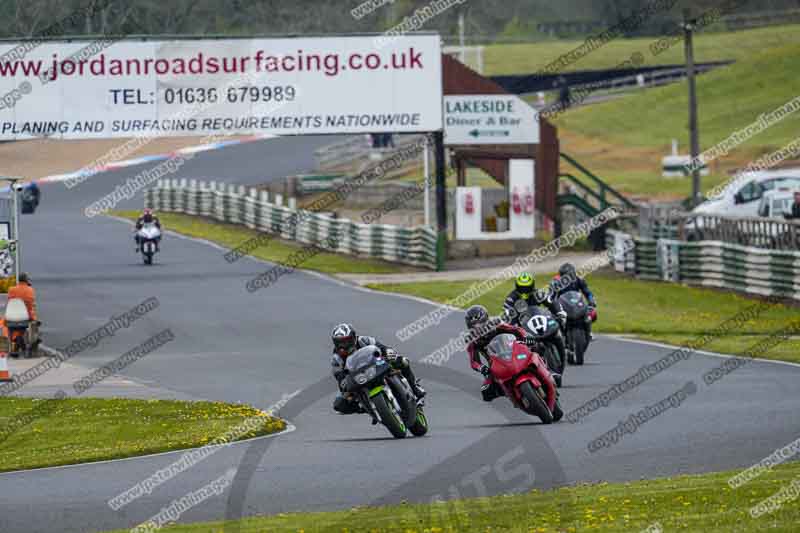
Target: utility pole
column 441, row 200
column 461, row 29
column 14, row 233
column 694, row 135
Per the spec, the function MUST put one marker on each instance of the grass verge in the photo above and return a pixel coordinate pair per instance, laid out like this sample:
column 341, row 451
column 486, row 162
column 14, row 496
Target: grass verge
column 231, row 236
column 651, row 310
column 50, row 432
column 685, row 503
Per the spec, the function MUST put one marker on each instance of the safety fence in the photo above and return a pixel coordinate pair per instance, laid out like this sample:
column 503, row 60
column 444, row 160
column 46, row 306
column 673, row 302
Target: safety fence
column 671, row 221
column 354, row 153
column 708, row 263
column 237, row 204
column 772, row 233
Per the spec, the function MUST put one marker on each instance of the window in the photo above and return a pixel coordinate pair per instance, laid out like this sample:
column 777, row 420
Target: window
column 786, row 182
column 751, row 192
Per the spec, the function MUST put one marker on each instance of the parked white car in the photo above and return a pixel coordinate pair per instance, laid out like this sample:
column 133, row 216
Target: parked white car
column 742, row 197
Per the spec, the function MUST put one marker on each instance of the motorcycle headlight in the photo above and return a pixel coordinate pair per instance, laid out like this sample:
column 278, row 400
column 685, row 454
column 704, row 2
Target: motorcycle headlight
column 366, row 375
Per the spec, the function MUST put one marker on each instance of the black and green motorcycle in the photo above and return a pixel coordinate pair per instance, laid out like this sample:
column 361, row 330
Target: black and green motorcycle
column 384, row 393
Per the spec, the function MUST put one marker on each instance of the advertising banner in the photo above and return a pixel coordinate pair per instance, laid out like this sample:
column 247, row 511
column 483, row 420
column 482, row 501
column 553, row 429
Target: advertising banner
column 287, row 86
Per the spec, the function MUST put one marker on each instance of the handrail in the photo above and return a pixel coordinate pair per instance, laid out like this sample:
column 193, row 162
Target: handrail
column 585, row 188
column 578, row 202
column 604, row 187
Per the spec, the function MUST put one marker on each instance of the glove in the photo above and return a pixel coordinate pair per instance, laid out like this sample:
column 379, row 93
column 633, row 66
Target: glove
column 391, row 354
column 533, row 344
column 339, row 375
column 485, row 371
column 562, row 317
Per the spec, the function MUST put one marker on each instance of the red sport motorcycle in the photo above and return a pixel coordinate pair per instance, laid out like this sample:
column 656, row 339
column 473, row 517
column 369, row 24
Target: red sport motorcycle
column 524, row 377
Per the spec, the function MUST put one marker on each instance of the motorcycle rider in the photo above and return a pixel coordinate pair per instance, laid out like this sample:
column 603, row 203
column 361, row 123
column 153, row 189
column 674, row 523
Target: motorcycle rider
column 525, row 289
column 482, row 330
column 345, row 342
column 567, row 280
column 24, row 291
column 35, row 194
column 146, row 217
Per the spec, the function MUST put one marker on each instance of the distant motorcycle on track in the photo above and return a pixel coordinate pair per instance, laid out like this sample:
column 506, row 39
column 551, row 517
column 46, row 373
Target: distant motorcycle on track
column 384, row 393
column 148, row 234
column 579, row 314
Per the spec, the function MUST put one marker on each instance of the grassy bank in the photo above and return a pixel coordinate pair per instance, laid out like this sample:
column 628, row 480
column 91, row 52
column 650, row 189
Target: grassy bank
column 623, row 140
column 686, row 503
column 528, row 58
column 36, row 433
column 232, row 236
column 651, row 310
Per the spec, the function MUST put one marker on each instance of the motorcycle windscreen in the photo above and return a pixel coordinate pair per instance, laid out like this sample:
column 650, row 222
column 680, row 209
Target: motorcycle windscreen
column 361, row 358
column 150, row 231
column 502, row 346
column 541, row 325
column 573, row 304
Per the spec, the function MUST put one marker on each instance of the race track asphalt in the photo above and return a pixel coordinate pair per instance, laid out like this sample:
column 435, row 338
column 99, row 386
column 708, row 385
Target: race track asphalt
column 236, row 346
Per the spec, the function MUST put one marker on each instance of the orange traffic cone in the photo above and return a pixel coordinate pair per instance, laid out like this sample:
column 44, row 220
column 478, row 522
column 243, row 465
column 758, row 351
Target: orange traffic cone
column 5, row 375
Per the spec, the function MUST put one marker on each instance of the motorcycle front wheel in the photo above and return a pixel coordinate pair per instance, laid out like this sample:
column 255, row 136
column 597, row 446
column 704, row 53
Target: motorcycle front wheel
column 389, row 416
column 534, row 403
column 579, row 344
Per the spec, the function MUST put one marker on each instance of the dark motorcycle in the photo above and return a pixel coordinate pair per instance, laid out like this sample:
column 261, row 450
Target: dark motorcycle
column 542, row 326
column 384, row 393
column 579, row 314
column 29, row 200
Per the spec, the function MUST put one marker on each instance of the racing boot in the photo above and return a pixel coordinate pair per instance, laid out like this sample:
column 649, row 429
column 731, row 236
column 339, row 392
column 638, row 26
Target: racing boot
column 419, row 392
column 405, row 368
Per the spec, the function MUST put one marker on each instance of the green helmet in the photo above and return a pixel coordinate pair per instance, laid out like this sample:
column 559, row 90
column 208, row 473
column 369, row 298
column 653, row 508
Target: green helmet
column 524, row 284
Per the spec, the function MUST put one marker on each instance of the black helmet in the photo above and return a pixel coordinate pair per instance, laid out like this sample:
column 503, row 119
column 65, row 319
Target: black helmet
column 23, row 278
column 477, row 315
column 567, row 269
column 344, row 339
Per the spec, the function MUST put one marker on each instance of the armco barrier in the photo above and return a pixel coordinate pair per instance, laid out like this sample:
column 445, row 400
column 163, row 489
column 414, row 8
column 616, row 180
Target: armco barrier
column 711, row 263
column 252, row 208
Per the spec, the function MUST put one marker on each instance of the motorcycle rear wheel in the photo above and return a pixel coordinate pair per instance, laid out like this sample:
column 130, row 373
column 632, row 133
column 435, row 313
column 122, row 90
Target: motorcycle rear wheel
column 420, row 426
column 535, row 403
column 558, row 412
column 389, row 416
